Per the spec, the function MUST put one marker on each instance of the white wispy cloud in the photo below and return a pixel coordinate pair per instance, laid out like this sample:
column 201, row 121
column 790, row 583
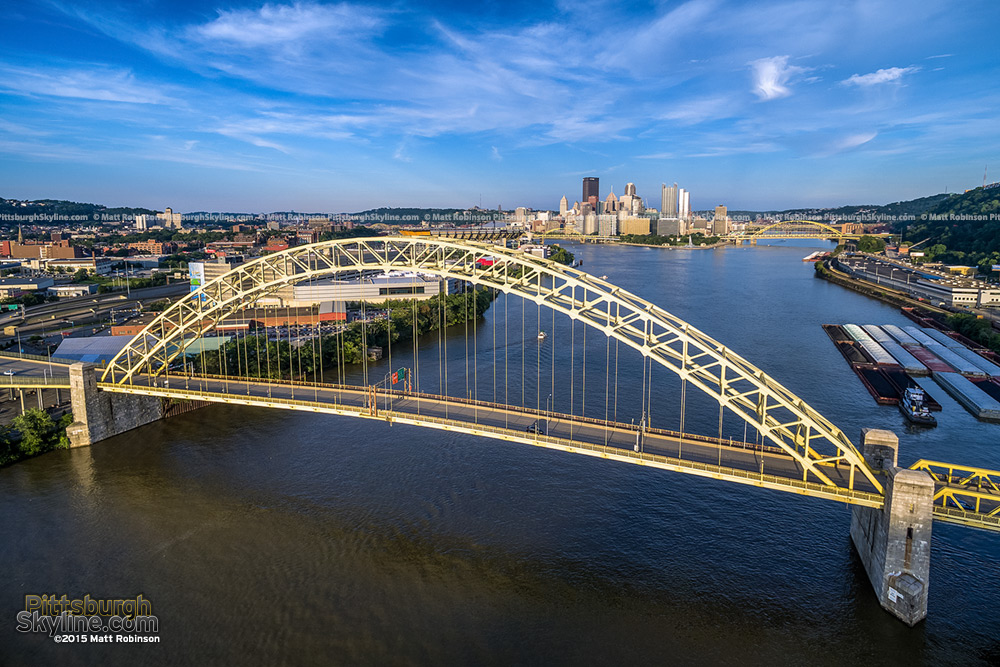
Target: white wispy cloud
column 888, row 75
column 667, row 82
column 286, row 24
column 98, row 83
column 854, row 140
column 771, row 77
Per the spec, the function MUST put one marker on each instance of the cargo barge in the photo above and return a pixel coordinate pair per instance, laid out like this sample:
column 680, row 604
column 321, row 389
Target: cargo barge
column 971, row 396
column 877, row 384
column 931, row 360
column 962, row 350
column 990, row 387
column 878, row 370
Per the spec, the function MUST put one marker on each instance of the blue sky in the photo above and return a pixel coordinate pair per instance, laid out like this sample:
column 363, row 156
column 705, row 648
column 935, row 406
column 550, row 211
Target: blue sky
column 344, row 106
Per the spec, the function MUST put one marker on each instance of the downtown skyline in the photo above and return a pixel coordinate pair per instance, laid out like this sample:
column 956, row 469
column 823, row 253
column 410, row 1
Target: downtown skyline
column 341, row 107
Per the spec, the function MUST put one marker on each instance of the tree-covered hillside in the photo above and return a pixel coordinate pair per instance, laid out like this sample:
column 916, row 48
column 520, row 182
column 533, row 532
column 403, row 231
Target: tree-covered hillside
column 964, row 229
column 61, row 209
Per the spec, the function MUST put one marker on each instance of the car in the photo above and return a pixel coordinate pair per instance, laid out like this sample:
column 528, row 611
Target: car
column 535, row 427
column 9, row 371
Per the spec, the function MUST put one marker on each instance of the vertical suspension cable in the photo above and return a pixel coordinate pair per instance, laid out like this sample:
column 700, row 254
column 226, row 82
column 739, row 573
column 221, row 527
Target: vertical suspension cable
column 416, row 358
column 493, row 294
column 538, row 348
column 523, row 402
column 616, row 380
column 317, row 334
column 291, row 351
column 506, row 355
column 683, row 409
column 572, row 366
column 444, row 335
column 475, row 354
column 583, row 392
column 388, row 336
column 437, row 317
column 465, row 306
column 720, row 433
column 246, row 352
column 607, row 378
column 552, row 373
column 364, row 336
column 642, row 394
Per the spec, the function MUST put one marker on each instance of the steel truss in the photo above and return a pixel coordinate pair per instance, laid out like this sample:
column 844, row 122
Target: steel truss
column 734, row 382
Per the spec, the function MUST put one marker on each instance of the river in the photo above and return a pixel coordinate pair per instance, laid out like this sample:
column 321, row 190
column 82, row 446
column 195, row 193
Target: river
column 267, row 537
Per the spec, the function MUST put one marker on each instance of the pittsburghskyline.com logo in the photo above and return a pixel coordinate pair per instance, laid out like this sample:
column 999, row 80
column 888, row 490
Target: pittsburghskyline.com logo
column 89, row 620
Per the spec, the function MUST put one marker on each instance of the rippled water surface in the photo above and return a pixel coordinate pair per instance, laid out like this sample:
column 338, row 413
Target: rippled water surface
column 268, row 537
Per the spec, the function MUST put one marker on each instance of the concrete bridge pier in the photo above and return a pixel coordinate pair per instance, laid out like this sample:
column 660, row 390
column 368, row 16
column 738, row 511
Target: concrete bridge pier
column 894, row 543
column 100, row 415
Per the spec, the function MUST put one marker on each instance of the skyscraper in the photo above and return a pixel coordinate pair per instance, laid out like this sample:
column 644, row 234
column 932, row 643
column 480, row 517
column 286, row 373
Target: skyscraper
column 720, row 224
column 591, row 188
column 668, row 201
column 630, row 189
column 563, row 206
column 684, row 204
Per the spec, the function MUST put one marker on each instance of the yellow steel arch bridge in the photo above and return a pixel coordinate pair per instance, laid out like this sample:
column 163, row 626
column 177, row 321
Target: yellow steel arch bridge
column 805, row 453
column 795, row 229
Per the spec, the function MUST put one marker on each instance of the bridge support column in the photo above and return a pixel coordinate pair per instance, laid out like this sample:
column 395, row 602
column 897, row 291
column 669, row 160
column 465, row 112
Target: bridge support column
column 100, row 415
column 894, row 543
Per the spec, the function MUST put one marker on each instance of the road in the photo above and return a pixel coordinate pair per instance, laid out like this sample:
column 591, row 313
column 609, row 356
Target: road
column 747, row 458
column 84, row 308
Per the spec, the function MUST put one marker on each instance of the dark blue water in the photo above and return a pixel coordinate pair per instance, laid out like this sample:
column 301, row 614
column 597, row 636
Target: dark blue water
column 268, row 537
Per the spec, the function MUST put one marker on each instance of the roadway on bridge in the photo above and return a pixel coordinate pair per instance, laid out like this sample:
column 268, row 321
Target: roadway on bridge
column 744, row 457
column 20, row 371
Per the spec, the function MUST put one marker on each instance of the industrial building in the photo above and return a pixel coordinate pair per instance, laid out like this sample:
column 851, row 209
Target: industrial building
column 938, row 289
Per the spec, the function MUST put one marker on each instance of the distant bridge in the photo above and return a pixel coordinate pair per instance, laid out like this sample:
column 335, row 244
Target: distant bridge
column 795, row 229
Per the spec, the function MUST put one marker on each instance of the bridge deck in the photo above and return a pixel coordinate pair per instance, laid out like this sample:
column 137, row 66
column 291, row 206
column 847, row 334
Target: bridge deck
column 744, row 463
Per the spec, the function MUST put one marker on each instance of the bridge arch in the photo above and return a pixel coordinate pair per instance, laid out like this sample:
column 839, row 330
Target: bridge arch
column 820, row 226
column 734, row 382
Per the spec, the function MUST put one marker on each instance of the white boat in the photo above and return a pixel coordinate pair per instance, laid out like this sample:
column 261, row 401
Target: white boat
column 542, row 335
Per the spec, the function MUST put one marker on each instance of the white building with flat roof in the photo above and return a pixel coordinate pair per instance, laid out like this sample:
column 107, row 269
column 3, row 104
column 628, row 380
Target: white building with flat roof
column 372, row 289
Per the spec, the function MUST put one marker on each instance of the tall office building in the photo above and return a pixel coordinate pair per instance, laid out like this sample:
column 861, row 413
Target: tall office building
column 720, row 224
column 630, row 189
column 683, row 204
column 611, row 203
column 563, row 205
column 591, row 188
column 668, row 201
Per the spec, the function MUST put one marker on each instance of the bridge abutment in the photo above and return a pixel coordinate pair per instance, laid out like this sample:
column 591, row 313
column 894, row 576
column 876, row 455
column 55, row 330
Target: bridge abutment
column 894, row 543
column 99, row 415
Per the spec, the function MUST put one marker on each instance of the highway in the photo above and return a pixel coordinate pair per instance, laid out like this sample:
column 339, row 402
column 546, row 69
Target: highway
column 87, row 308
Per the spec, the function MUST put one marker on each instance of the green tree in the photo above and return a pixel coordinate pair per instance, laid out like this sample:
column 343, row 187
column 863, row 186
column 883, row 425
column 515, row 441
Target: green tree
column 559, row 254
column 35, row 427
column 871, row 244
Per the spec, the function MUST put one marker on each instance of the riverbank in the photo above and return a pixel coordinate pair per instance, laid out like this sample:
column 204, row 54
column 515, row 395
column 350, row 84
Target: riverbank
column 826, row 271
column 676, row 247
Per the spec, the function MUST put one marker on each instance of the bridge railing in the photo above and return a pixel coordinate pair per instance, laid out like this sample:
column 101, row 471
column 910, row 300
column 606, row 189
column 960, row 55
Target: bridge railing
column 34, row 357
column 694, row 437
column 23, row 380
column 841, row 494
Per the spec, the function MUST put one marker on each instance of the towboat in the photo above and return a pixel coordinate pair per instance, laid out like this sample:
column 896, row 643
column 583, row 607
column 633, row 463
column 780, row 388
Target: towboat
column 913, row 406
